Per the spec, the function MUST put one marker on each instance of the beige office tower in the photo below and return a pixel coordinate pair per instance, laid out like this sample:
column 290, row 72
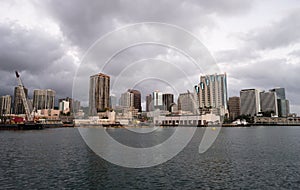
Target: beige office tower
column 5, row 105
column 127, row 100
column 99, row 93
column 43, row 99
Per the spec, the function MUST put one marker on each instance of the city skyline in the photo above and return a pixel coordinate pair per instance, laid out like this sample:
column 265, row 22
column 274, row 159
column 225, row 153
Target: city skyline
column 280, row 104
column 41, row 41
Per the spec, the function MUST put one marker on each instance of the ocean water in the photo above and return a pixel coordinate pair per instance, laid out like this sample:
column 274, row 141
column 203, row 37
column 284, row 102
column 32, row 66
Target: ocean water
column 248, row 158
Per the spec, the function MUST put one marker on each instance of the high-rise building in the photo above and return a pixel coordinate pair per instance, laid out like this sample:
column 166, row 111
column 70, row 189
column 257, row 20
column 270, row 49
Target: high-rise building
column 18, row 103
column 157, row 98
column 149, row 103
column 112, row 101
column 283, row 107
column 127, row 100
column 234, row 107
column 212, row 91
column 99, row 93
column 250, row 102
column 136, row 99
column 280, row 93
column 282, row 102
column 68, row 104
column 160, row 101
column 5, row 105
column 268, row 102
column 186, row 102
column 75, row 106
column 64, row 106
column 43, row 99
column 168, row 100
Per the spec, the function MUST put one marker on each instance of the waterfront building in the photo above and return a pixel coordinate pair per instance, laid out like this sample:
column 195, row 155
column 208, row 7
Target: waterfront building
column 43, row 99
column 157, row 100
column 268, row 102
column 18, row 106
column 283, row 107
column 187, row 120
column 282, row 102
column 186, row 102
column 127, row 100
column 168, row 100
column 75, row 106
column 212, row 91
column 5, row 105
column 149, row 103
column 112, row 101
column 99, row 93
column 136, row 99
column 250, row 102
column 234, row 107
column 280, row 93
column 64, row 106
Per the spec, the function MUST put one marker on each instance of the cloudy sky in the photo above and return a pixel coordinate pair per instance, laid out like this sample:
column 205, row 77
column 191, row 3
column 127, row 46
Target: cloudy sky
column 257, row 43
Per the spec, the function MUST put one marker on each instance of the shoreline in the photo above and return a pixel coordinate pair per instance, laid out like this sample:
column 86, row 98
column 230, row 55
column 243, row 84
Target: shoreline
column 51, row 126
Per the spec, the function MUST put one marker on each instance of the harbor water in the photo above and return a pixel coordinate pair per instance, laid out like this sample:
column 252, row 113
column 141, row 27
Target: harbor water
column 252, row 158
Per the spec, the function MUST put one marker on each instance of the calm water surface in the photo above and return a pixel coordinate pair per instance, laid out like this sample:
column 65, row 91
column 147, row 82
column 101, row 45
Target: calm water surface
column 248, row 158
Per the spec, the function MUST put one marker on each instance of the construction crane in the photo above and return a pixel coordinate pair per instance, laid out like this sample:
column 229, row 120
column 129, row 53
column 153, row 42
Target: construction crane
column 29, row 117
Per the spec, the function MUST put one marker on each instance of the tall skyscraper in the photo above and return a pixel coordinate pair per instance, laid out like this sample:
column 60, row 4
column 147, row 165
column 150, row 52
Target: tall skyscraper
column 136, row 99
column 250, row 102
column 212, row 91
column 234, row 107
column 168, row 100
column 282, row 102
column 149, row 103
column 268, row 102
column 112, row 101
column 75, row 106
column 280, row 93
column 5, row 105
column 99, row 93
column 186, row 102
column 283, row 107
column 18, row 103
column 157, row 100
column 43, row 99
column 127, row 99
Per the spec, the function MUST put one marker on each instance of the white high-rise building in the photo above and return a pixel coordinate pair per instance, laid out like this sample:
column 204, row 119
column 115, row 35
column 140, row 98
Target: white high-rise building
column 212, row 91
column 250, row 102
column 127, row 100
column 64, row 106
column 157, row 97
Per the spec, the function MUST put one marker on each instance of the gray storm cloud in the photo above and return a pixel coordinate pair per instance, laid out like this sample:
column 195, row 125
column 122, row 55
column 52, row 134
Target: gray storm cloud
column 47, row 61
